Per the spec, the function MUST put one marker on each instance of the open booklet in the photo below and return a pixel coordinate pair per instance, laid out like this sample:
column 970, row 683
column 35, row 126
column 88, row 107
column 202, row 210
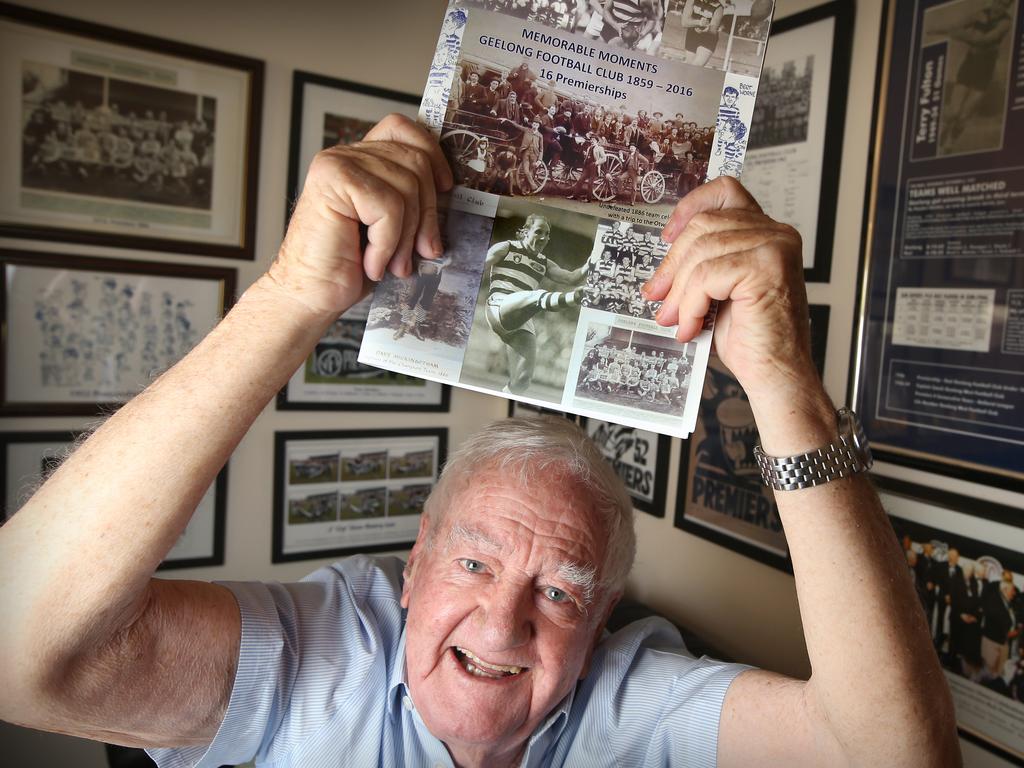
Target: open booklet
column 573, row 130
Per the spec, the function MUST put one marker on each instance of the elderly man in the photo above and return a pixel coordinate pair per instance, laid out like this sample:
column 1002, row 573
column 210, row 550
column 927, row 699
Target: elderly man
column 488, row 650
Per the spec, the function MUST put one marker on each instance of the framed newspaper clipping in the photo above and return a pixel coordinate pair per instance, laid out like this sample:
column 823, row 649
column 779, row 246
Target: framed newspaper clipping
column 796, row 134
column 338, row 493
column 81, row 335
column 327, row 112
column 28, row 458
column 966, row 559
column 721, row 497
column 117, row 138
column 938, row 365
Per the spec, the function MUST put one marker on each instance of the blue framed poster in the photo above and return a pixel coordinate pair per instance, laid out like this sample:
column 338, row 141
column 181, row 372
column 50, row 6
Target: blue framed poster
column 939, row 355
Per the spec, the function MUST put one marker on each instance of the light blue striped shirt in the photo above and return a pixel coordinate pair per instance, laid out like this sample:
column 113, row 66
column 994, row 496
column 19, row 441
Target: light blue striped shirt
column 321, row 682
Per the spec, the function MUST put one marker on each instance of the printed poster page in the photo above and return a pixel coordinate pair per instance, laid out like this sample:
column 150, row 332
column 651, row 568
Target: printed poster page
column 570, row 150
column 941, row 369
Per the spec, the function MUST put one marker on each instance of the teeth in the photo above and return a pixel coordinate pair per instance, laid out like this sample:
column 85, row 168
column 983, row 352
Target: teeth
column 481, row 668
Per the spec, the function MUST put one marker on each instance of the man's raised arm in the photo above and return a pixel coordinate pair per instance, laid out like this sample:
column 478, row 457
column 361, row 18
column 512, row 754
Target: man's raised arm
column 877, row 695
column 90, row 643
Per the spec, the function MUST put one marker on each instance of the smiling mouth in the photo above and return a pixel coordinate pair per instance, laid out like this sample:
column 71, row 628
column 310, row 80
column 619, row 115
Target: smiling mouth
column 480, row 668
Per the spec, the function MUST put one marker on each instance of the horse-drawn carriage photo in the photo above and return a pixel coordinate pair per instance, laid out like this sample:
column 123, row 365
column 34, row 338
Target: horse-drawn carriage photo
column 485, row 152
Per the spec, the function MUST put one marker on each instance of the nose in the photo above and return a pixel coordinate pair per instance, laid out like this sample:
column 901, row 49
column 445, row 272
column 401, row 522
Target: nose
column 506, row 613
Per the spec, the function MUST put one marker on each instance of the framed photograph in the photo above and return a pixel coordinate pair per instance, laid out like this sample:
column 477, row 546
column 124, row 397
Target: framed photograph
column 83, row 335
column 326, row 112
column 721, row 497
column 28, row 458
column 971, row 590
column 116, row 138
column 796, row 134
column 339, row 493
column 640, row 458
column 938, row 360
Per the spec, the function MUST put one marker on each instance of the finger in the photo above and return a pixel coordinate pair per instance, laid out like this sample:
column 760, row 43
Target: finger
column 428, row 242
column 711, row 281
column 708, row 235
column 401, row 129
column 381, row 208
column 724, row 192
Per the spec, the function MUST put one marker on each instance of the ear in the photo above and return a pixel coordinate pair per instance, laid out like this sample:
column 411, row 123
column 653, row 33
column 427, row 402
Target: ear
column 598, row 631
column 409, row 572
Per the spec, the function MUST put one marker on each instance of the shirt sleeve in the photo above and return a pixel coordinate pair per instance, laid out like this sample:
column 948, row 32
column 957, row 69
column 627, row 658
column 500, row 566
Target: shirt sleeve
column 306, row 648
column 665, row 704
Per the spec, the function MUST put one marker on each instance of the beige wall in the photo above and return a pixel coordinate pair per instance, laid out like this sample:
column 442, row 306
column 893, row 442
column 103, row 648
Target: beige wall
column 747, row 609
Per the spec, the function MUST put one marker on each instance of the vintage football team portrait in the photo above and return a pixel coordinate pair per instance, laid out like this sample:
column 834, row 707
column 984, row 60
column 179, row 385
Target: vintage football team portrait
column 627, row 256
column 729, row 36
column 341, row 492
column 119, row 140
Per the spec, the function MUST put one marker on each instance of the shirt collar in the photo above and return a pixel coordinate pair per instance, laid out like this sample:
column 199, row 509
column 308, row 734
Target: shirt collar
column 546, row 734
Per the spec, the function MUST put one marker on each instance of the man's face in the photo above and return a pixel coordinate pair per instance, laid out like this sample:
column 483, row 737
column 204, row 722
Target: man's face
column 954, row 557
column 495, row 592
column 474, row 79
column 537, row 236
column 730, row 99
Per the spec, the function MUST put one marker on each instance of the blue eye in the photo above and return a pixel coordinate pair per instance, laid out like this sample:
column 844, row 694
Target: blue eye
column 473, row 566
column 555, row 595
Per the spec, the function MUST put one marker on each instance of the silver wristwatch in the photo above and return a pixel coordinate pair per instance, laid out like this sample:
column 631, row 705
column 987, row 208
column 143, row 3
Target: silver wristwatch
column 849, row 455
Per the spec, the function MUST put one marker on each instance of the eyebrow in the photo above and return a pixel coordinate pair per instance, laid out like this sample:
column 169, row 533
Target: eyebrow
column 462, row 533
column 582, row 576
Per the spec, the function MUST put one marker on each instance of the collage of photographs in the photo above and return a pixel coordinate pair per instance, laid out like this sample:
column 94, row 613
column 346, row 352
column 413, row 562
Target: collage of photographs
column 540, row 304
column 350, row 490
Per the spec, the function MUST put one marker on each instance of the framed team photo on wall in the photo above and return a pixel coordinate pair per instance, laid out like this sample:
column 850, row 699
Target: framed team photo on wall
column 327, row 112
column 84, row 335
column 115, row 138
column 796, row 134
column 965, row 557
column 721, row 497
column 342, row 492
column 29, row 458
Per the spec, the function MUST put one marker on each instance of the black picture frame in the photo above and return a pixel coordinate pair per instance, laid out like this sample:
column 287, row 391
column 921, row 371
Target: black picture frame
column 101, row 218
column 24, row 368
column 646, row 481
column 373, row 443
column 904, row 427
column 217, row 505
column 831, row 142
column 347, row 108
column 954, row 520
column 720, row 496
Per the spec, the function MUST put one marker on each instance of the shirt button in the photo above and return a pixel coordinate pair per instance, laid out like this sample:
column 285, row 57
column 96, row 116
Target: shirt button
column 407, row 703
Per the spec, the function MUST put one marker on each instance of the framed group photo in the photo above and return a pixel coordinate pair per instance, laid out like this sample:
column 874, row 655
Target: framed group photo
column 83, row 335
column 29, row 458
column 965, row 557
column 721, row 496
column 938, row 359
column 796, row 135
column 342, row 492
column 327, row 112
column 120, row 139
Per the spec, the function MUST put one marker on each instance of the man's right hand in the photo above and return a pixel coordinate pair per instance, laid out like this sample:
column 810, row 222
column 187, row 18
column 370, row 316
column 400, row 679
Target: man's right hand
column 387, row 184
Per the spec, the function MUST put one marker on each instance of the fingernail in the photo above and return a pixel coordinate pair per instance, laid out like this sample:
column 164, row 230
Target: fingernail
column 645, row 289
column 670, row 230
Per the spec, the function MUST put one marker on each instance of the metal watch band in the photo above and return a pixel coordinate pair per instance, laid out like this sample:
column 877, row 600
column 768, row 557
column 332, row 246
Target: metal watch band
column 806, row 470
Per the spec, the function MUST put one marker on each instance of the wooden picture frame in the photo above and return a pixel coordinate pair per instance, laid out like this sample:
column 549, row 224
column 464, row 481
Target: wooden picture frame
column 126, row 140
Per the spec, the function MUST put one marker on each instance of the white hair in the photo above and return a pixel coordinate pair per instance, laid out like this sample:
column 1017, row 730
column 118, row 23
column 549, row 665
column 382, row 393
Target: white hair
column 527, row 448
